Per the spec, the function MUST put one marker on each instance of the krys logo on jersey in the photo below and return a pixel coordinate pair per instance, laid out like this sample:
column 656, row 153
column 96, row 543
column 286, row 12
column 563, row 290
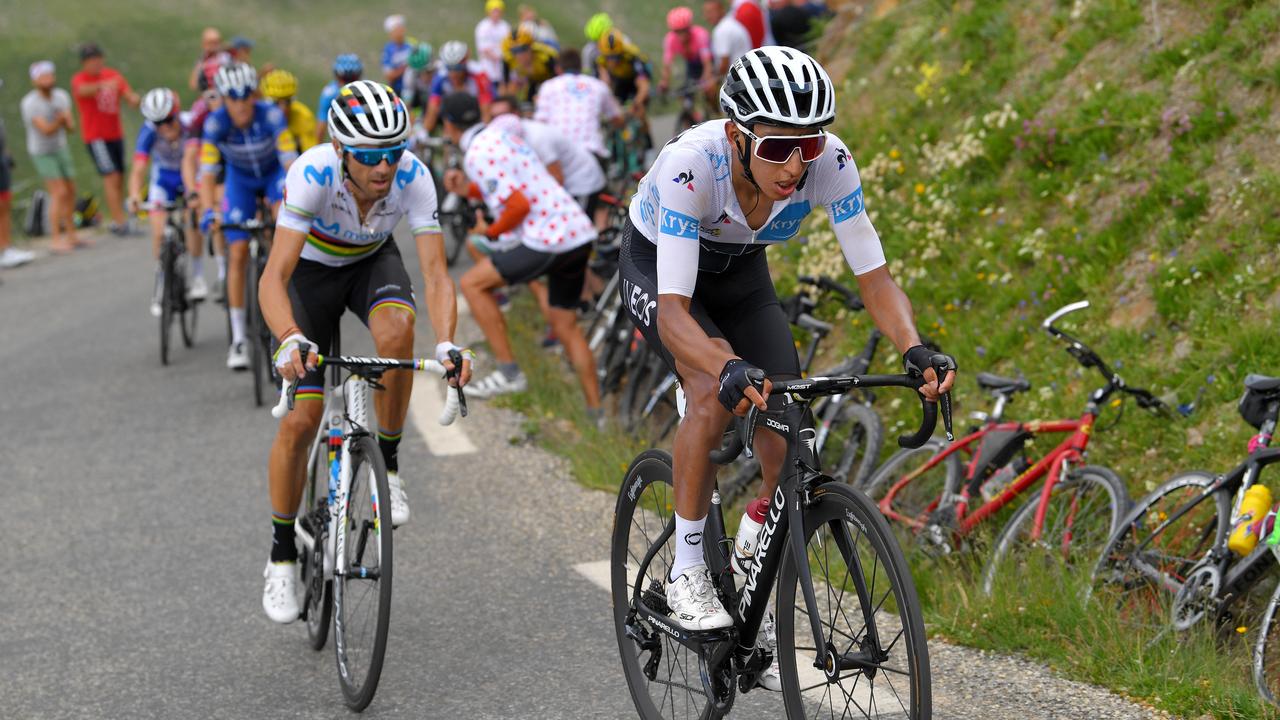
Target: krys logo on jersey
column 847, row 207
column 679, row 225
column 786, row 224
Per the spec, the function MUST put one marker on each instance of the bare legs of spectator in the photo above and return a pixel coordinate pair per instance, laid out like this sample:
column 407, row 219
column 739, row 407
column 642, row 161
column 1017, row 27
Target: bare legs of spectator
column 113, row 187
column 62, row 224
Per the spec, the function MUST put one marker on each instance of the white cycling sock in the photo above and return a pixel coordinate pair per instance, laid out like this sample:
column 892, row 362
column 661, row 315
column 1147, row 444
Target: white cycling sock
column 222, row 267
column 197, row 267
column 688, row 545
column 237, row 325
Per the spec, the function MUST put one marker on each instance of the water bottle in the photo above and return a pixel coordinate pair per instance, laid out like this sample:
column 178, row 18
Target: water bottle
column 748, row 537
column 1254, row 507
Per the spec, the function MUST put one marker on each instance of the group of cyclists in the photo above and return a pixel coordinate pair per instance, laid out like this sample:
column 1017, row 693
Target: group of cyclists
column 695, row 278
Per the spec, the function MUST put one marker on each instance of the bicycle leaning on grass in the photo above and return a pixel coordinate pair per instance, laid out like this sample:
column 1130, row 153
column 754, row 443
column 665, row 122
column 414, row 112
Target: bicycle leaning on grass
column 345, row 555
column 831, row 656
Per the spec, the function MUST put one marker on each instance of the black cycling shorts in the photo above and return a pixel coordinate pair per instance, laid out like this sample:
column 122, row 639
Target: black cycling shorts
column 108, row 156
column 320, row 293
column 737, row 304
column 566, row 272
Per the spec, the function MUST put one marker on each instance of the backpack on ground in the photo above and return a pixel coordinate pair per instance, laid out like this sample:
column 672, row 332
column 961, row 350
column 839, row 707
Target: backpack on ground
column 34, row 222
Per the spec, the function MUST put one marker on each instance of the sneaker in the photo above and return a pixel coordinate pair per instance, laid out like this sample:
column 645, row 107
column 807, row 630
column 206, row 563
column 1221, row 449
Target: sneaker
column 199, row 289
column 399, row 501
column 280, row 594
column 549, row 339
column 238, row 356
column 504, row 300
column 13, row 257
column 155, row 308
column 767, row 639
column 119, row 229
column 220, row 291
column 693, row 601
column 497, row 383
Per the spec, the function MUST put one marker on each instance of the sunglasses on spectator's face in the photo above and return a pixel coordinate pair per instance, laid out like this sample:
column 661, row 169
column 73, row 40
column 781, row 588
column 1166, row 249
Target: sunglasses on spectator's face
column 373, row 156
column 778, row 149
column 519, row 48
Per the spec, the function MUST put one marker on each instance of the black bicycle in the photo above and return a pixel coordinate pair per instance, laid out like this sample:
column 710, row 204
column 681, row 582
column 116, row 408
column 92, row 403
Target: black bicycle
column 257, row 334
column 850, row 631
column 457, row 212
column 174, row 263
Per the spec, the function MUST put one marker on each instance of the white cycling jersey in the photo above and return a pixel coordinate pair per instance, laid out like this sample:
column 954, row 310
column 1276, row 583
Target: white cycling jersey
column 583, row 175
column 317, row 202
column 686, row 205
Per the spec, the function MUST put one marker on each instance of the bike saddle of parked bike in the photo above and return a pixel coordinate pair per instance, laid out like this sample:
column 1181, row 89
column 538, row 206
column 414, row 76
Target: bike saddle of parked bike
column 1262, row 384
column 1006, row 385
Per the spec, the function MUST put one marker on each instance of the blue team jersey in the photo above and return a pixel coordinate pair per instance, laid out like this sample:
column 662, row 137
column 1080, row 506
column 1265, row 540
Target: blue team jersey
column 164, row 155
column 259, row 150
column 395, row 56
column 327, row 94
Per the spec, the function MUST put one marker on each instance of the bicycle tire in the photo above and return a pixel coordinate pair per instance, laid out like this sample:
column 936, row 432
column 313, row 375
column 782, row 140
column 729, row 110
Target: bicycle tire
column 1085, row 510
column 317, row 590
column 642, row 389
column 914, row 499
column 254, row 321
column 648, row 483
column 845, row 515
column 187, row 308
column 854, row 439
column 639, row 371
column 360, row 681
column 1266, row 653
column 166, row 300
column 1141, row 584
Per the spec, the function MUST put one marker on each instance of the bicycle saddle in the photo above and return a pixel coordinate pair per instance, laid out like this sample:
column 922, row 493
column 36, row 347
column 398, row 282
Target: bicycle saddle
column 1262, row 383
column 1008, row 386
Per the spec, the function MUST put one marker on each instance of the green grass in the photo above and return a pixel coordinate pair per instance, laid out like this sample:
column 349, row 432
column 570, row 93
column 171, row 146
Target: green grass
column 155, row 42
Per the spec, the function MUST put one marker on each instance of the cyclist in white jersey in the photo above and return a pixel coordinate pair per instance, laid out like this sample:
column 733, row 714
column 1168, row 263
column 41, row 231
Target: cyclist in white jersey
column 333, row 251
column 697, row 285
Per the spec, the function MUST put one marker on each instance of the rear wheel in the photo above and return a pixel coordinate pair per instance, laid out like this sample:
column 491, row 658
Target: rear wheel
column 187, row 308
column 253, row 333
column 317, row 589
column 662, row 674
column 872, row 659
column 1266, row 654
column 1083, row 511
column 362, row 581
column 851, row 446
column 918, row 498
column 166, row 299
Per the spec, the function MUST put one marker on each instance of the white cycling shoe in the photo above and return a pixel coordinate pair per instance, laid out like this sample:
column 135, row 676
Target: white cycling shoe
column 155, row 308
column 199, row 289
column 767, row 639
column 496, row 383
column 399, row 501
column 280, row 594
column 238, row 356
column 694, row 603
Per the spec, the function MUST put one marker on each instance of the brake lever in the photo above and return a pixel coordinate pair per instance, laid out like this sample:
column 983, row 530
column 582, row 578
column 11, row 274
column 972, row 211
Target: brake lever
column 756, row 376
column 455, row 357
column 942, row 365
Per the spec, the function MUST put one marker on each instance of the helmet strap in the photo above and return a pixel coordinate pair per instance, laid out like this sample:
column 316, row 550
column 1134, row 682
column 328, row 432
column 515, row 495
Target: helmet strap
column 744, row 158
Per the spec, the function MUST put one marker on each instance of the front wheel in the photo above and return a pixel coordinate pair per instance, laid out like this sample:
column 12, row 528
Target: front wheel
column 1266, row 654
column 257, row 353
column 167, row 307
column 850, row 442
column 1082, row 512
column 872, row 660
column 362, row 578
column 662, row 674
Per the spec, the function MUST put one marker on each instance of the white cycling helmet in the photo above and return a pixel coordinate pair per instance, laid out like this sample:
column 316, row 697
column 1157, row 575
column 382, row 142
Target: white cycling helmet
column 159, row 105
column 454, row 52
column 778, row 86
column 237, row 80
column 368, row 113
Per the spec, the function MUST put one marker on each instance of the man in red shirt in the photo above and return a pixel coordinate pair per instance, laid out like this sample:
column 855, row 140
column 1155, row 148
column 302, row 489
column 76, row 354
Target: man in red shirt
column 749, row 14
column 98, row 90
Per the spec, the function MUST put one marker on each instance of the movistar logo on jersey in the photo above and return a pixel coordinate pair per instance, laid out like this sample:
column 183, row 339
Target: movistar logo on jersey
column 404, row 177
column 679, row 224
column 323, row 178
column 847, row 207
column 327, row 228
column 787, row 223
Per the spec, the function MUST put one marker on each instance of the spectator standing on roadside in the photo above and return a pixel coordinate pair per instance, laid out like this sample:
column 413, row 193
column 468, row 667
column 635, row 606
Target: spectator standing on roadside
column 729, row 40
column 212, row 57
column 98, row 90
column 792, row 22
column 10, row 256
column 748, row 13
column 46, row 112
column 395, row 54
column 490, row 32
column 575, row 103
column 541, row 29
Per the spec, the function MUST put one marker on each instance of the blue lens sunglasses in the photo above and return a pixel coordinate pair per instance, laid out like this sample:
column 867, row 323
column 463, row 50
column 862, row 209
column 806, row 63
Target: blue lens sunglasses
column 373, row 156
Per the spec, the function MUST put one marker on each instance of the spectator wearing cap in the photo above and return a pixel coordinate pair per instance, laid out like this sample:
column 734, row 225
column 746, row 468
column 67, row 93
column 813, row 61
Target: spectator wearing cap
column 212, row 57
column 490, row 32
column 241, row 50
column 395, row 54
column 46, row 113
column 538, row 27
column 98, row 90
column 10, row 256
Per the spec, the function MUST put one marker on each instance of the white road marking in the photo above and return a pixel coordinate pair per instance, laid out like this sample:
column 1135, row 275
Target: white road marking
column 597, row 572
column 425, row 406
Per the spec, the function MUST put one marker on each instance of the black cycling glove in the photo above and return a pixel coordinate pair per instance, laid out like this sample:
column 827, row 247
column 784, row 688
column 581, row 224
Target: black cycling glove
column 735, row 378
column 918, row 358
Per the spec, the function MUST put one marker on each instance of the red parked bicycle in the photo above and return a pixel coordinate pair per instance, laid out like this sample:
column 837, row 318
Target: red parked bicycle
column 937, row 494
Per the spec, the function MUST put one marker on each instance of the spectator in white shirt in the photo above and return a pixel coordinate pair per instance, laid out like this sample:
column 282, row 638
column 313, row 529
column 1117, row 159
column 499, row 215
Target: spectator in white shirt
column 575, row 103
column 490, row 32
column 729, row 39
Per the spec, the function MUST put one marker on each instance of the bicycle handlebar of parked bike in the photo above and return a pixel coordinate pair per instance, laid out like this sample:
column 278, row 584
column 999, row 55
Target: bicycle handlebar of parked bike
column 809, row 388
column 1089, row 358
column 851, row 298
column 455, row 402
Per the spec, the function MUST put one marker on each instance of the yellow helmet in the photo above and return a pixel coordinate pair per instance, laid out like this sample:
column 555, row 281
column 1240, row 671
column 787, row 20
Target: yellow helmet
column 279, row 84
column 612, row 42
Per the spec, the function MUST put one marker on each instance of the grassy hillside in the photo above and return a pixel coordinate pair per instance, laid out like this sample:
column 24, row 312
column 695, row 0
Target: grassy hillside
column 155, row 42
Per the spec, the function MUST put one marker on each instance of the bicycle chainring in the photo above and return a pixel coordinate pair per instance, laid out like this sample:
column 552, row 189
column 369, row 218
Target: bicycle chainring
column 1198, row 596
